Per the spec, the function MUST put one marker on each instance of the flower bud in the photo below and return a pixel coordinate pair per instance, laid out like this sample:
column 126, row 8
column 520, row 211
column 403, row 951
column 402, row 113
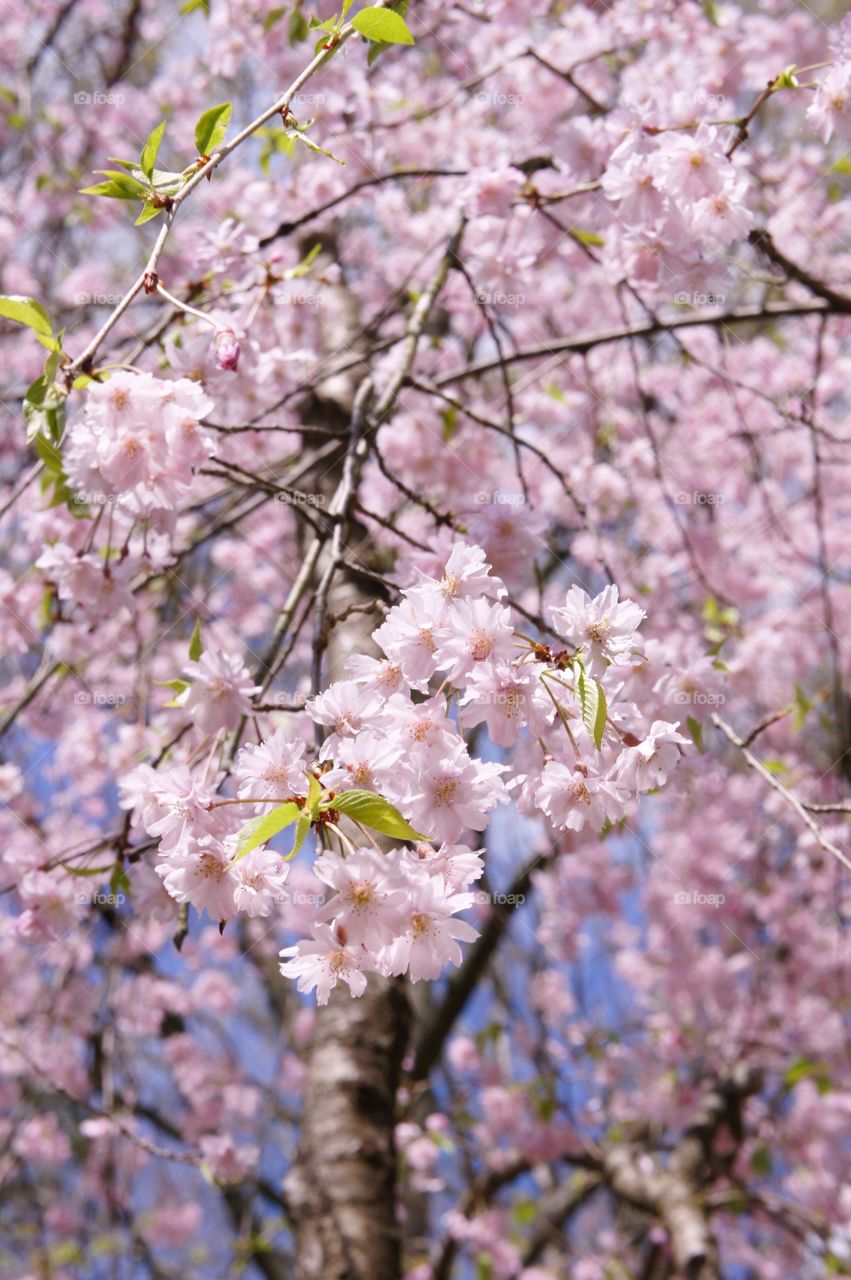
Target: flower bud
column 227, row 349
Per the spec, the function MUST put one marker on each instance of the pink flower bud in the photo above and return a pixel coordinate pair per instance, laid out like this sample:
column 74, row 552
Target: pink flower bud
column 227, row 349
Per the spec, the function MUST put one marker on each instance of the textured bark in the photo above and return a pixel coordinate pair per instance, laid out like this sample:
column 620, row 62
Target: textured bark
column 673, row 1190
column 341, row 1192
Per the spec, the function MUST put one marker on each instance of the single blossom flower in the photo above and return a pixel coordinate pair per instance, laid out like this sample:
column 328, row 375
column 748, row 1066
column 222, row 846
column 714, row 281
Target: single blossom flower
column 324, row 961
column 605, row 628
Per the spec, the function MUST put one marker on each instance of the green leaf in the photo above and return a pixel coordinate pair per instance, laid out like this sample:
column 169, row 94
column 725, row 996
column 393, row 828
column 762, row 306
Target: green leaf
column 302, row 827
column 150, row 149
column 54, row 476
column 262, row 829
column 592, row 704
column 126, row 185
column 587, row 237
column 383, row 25
column 314, row 795
column 192, row 5
column 196, row 648
column 272, row 18
column 695, row 728
column 26, row 311
column 148, row 211
column 44, row 408
column 808, row 1069
column 308, row 142
column 305, row 266
column 375, row 812
column 212, row 127
column 801, row 708
column 119, row 881
column 178, row 687
column 297, row 27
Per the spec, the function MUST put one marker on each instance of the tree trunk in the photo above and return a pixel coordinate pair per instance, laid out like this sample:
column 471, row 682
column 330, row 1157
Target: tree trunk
column 341, row 1191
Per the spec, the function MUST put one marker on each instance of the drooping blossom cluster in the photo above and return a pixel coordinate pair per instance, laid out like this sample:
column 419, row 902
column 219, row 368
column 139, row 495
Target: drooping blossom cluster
column 680, row 201
column 404, row 726
column 138, row 443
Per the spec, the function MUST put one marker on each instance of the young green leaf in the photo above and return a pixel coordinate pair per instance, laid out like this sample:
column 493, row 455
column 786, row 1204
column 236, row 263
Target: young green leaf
column 274, row 16
column 54, row 476
column 150, row 149
column 374, row 811
column 695, row 728
column 302, row 137
column 262, row 829
column 212, row 127
column 383, row 25
column 26, row 311
column 314, row 794
column 196, row 648
column 148, row 211
column 302, row 827
column 592, row 704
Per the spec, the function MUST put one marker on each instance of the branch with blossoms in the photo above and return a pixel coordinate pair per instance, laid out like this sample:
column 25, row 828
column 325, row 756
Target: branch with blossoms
column 394, row 761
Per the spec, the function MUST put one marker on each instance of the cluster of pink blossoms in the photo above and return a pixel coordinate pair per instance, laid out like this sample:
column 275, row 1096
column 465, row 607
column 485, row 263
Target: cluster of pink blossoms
column 138, row 443
column 403, row 726
column 680, row 201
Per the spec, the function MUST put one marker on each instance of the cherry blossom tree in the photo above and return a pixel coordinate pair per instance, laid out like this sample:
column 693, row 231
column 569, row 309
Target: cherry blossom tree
column 425, row 737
